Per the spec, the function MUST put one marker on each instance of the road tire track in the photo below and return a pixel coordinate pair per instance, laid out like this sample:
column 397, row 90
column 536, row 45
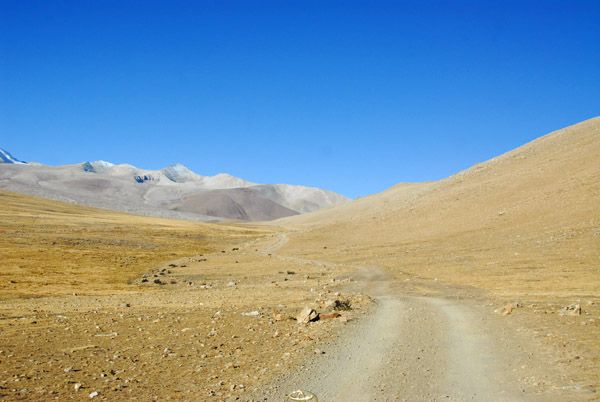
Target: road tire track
column 408, row 349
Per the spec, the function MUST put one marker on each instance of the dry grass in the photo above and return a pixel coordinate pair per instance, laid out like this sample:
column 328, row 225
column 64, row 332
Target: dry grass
column 75, row 312
column 53, row 248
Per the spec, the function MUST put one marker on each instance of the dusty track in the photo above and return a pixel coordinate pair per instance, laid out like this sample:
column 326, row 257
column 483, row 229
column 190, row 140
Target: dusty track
column 413, row 348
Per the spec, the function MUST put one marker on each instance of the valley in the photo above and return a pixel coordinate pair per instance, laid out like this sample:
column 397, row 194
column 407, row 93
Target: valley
column 481, row 286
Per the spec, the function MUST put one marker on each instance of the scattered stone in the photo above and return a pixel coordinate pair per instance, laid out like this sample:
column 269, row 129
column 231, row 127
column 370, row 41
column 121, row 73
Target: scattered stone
column 94, row 394
column 291, row 272
column 125, row 305
column 77, row 386
column 232, row 283
column 158, row 281
column 573, row 309
column 307, row 315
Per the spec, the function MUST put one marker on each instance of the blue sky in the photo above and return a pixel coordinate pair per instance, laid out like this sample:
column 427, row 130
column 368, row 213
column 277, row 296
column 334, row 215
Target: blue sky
column 349, row 96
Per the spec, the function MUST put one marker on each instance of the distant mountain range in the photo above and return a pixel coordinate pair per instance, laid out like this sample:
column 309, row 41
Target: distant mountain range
column 173, row 192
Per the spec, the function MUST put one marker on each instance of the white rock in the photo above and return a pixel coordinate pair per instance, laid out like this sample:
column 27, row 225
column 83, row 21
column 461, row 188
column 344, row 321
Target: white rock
column 254, row 313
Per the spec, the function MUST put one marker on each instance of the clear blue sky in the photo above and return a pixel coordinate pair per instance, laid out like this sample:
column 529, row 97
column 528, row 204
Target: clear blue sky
column 348, row 96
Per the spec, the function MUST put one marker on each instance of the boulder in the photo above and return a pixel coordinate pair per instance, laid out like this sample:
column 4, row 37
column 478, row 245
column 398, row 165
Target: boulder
column 307, row 315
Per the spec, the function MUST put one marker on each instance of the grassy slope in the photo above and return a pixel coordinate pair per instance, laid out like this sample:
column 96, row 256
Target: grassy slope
column 50, row 248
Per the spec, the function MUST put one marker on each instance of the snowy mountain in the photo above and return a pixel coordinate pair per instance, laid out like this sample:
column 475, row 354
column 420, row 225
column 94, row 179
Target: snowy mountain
column 173, row 192
column 6, row 157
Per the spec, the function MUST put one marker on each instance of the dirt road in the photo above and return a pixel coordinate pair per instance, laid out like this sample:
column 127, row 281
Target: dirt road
column 418, row 348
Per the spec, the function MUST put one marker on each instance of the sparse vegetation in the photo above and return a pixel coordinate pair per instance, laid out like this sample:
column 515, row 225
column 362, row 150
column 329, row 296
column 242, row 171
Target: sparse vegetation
column 342, row 305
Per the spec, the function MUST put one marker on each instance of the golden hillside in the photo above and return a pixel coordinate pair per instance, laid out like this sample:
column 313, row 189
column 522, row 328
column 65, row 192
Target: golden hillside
column 50, row 248
column 526, row 221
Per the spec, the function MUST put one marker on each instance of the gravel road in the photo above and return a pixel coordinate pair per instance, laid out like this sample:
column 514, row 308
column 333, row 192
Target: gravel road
column 412, row 348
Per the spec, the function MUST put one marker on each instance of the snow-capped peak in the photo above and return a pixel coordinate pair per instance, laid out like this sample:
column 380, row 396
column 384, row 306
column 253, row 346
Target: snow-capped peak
column 6, row 157
column 178, row 173
column 102, row 164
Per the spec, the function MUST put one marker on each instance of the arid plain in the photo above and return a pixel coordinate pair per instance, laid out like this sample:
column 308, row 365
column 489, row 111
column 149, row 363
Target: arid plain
column 122, row 307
